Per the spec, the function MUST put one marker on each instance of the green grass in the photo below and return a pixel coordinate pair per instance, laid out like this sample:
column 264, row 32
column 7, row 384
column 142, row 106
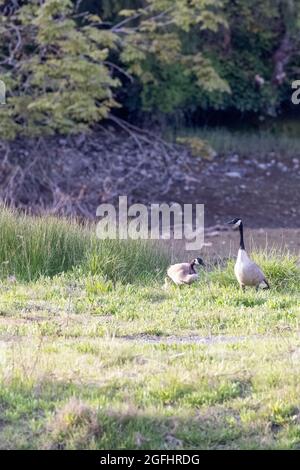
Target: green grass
column 263, row 142
column 96, row 354
column 33, row 247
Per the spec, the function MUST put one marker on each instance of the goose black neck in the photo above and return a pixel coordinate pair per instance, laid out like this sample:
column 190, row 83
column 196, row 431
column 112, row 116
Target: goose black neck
column 242, row 245
column 192, row 264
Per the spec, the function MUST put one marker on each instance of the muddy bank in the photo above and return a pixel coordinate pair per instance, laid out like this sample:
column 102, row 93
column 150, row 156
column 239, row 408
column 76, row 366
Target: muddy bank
column 72, row 176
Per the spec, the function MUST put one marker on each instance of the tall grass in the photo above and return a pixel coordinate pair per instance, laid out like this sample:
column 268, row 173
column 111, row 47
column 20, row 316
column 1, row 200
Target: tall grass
column 45, row 246
column 127, row 261
column 263, row 142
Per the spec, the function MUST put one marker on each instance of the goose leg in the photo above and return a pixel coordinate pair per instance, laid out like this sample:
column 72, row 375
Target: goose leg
column 243, row 287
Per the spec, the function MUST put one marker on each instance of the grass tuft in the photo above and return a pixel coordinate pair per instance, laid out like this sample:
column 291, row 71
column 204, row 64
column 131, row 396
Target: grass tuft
column 73, row 426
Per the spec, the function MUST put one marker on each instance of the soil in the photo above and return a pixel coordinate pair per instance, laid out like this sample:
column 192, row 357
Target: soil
column 193, row 339
column 263, row 190
column 73, row 176
column 224, row 243
column 221, row 243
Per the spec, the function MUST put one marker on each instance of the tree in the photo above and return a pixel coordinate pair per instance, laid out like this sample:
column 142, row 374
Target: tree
column 60, row 66
column 162, row 52
column 54, row 69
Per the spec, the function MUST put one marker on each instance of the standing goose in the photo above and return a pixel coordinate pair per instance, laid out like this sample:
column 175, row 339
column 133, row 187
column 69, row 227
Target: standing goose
column 184, row 273
column 246, row 271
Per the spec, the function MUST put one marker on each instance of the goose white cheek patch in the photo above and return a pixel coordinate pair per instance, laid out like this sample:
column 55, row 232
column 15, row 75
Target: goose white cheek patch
column 263, row 285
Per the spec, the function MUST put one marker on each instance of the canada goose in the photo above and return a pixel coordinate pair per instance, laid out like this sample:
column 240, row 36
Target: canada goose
column 246, row 271
column 184, row 273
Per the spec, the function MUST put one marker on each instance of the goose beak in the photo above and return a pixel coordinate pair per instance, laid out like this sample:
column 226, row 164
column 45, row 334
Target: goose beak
column 231, row 222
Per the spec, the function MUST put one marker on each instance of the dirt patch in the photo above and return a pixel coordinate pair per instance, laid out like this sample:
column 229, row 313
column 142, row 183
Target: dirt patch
column 224, row 243
column 263, row 190
column 194, row 339
column 221, row 243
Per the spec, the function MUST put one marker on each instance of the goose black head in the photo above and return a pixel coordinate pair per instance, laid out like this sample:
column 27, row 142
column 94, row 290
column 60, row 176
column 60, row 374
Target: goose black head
column 198, row 261
column 237, row 222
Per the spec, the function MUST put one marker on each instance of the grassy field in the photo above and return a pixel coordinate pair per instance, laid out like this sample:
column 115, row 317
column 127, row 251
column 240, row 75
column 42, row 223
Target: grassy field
column 96, row 354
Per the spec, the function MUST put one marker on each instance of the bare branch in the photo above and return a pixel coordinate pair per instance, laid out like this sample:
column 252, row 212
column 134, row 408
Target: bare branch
column 119, row 69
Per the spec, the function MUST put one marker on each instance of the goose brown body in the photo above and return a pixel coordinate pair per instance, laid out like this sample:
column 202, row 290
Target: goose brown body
column 184, row 273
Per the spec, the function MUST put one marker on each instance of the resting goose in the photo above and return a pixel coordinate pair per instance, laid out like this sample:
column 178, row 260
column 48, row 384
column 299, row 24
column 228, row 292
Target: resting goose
column 246, row 271
column 185, row 273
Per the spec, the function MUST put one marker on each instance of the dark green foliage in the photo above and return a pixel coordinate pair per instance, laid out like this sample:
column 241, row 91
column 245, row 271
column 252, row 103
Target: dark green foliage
column 239, row 53
column 256, row 31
